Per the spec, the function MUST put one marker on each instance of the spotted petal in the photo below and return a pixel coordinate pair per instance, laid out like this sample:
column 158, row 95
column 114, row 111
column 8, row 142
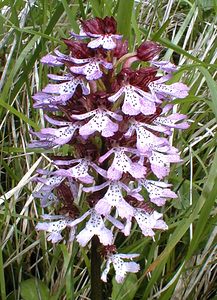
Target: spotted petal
column 171, row 121
column 91, row 69
column 135, row 101
column 95, row 226
column 147, row 222
column 106, row 41
column 80, row 171
column 114, row 198
column 158, row 191
column 122, row 163
column 68, row 87
column 160, row 163
column 51, row 60
column 147, row 140
column 176, row 90
column 100, row 122
column 49, row 102
column 121, row 267
column 54, row 228
column 165, row 66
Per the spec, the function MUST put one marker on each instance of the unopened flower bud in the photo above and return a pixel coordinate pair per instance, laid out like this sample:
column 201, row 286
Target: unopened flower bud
column 148, row 50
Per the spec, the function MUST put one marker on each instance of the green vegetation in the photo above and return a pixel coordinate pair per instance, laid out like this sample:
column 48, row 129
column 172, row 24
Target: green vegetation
column 181, row 262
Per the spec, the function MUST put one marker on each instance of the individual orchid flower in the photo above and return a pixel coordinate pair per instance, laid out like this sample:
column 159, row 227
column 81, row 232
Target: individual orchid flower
column 80, row 171
column 121, row 267
column 160, row 161
column 100, row 122
column 103, row 30
column 68, row 87
column 112, row 198
column 165, row 66
column 56, row 60
column 107, row 41
column 135, row 101
column 95, row 226
column 90, row 67
column 46, row 196
column 174, row 90
column 147, row 221
column 54, row 228
column 146, row 140
column 164, row 123
column 158, row 191
column 50, row 137
column 49, row 184
column 50, row 102
column 171, row 121
column 45, row 192
column 122, row 163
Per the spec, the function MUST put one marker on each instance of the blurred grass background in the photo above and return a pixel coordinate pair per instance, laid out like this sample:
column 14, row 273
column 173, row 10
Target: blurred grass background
column 180, row 263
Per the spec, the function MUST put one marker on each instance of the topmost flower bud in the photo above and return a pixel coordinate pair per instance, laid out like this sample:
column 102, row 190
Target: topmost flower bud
column 148, row 50
column 107, row 25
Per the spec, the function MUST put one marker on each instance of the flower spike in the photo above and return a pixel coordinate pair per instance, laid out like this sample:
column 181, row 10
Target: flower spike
column 113, row 120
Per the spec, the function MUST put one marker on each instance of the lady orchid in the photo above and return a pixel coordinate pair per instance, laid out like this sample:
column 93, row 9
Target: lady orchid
column 117, row 119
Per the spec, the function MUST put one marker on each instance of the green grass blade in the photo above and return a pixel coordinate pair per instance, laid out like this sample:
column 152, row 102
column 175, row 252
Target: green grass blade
column 181, row 31
column 212, row 87
column 124, row 15
column 20, row 115
column 16, row 68
column 2, row 278
column 56, row 15
column 96, row 6
column 81, row 9
column 71, row 13
column 208, row 198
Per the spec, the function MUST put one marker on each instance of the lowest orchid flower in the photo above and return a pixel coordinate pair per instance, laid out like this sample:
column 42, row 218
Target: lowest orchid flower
column 116, row 120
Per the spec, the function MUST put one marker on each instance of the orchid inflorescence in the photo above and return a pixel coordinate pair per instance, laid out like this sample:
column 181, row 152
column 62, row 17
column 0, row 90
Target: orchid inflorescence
column 117, row 118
